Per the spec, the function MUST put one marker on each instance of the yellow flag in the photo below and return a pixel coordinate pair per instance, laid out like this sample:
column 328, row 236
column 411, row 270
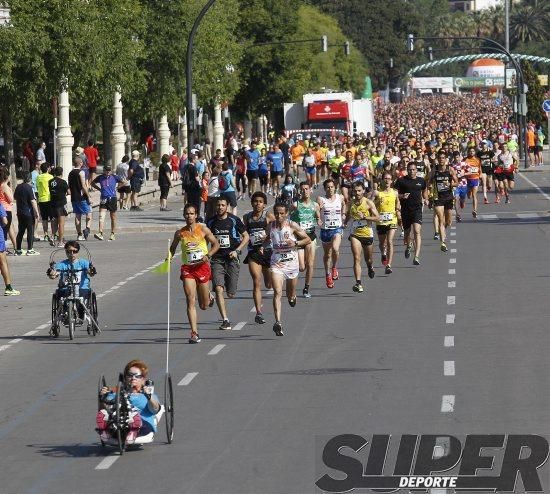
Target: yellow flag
column 164, row 268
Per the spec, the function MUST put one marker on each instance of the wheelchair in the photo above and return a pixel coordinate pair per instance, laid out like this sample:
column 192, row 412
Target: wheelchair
column 120, row 409
column 69, row 307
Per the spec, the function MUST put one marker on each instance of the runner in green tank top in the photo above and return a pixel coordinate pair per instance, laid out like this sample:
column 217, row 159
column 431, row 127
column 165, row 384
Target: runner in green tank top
column 305, row 212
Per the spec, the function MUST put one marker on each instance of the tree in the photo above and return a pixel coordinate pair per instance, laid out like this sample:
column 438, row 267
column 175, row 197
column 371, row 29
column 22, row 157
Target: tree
column 535, row 93
column 531, row 22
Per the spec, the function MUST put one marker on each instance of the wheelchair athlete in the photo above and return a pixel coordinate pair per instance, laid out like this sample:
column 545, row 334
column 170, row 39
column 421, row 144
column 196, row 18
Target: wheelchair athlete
column 143, row 416
column 83, row 269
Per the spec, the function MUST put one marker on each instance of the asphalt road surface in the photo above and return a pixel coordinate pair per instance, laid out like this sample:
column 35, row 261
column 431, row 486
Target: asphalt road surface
column 455, row 346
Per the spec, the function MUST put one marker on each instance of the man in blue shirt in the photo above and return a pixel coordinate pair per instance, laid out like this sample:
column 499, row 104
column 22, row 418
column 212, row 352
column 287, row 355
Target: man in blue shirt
column 107, row 185
column 277, row 161
column 253, row 163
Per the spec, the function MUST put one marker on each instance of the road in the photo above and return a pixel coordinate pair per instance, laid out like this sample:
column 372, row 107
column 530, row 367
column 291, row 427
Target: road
column 454, row 346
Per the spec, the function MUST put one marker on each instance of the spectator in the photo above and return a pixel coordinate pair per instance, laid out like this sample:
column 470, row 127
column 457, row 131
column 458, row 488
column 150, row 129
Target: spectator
column 124, row 190
column 136, row 175
column 92, row 155
column 58, row 200
column 27, row 214
column 44, row 198
column 164, row 181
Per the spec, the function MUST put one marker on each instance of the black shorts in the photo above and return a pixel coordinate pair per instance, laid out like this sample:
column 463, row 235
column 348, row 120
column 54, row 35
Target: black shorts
column 507, row 176
column 335, row 176
column 312, row 235
column 256, row 256
column 532, row 149
column 410, row 217
column 488, row 170
column 263, row 179
column 231, row 198
column 108, row 203
column 276, row 174
column 125, row 189
column 252, row 174
column 384, row 229
column 447, row 203
column 365, row 241
column 56, row 211
column 135, row 185
column 45, row 210
column 164, row 189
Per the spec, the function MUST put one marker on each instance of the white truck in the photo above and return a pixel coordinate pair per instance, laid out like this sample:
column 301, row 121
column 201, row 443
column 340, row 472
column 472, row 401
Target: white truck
column 330, row 110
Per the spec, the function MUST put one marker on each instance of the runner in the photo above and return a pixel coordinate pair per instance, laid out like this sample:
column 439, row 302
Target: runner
column 345, row 176
column 362, row 212
column 276, row 160
column 106, row 183
column 80, row 199
column 413, row 193
column 486, row 157
column 258, row 257
column 195, row 269
column 332, row 208
column 232, row 238
column 504, row 172
column 285, row 237
column 310, row 166
column 44, row 199
column 462, row 188
column 473, row 172
column 305, row 212
column 389, row 210
column 253, row 163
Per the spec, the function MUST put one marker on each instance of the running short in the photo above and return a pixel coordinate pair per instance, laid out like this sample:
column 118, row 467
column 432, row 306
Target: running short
column 488, row 170
column 2, row 246
column 532, row 149
column 365, row 241
column 473, row 182
column 164, row 189
column 256, row 256
column 410, row 217
column 252, row 174
column 275, row 173
column 263, row 180
column 201, row 272
column 231, row 198
column 384, row 229
column 125, row 189
column 45, row 210
column 108, row 203
column 328, row 235
column 507, row 176
column 287, row 274
column 93, row 170
column 225, row 272
column 81, row 207
column 135, row 184
column 310, row 170
column 335, row 176
column 57, row 211
column 312, row 235
column 461, row 192
column 447, row 204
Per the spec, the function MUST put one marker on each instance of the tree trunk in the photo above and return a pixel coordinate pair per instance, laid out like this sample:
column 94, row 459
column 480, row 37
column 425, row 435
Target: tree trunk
column 9, row 153
column 88, row 127
column 106, row 125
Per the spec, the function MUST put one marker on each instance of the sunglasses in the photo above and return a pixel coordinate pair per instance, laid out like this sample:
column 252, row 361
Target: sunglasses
column 133, row 375
column 71, row 251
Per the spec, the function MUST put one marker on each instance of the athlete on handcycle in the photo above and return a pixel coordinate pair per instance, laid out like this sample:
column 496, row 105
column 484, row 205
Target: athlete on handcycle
column 81, row 270
column 140, row 407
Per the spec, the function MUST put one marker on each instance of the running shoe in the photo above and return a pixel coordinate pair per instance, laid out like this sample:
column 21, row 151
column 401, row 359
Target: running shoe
column 384, row 259
column 507, row 201
column 112, row 237
column 335, row 274
column 401, row 234
column 80, row 238
column 259, row 319
column 485, row 200
column 9, row 292
column 388, row 269
column 436, row 236
column 86, row 233
column 18, row 252
column 278, row 329
column 330, row 282
column 458, row 218
column 292, row 301
column 305, row 293
column 99, row 235
column 371, row 272
column 33, row 252
column 195, row 338
column 474, row 213
column 443, row 247
column 408, row 251
column 358, row 288
column 46, row 238
column 416, row 261
column 60, row 245
column 225, row 325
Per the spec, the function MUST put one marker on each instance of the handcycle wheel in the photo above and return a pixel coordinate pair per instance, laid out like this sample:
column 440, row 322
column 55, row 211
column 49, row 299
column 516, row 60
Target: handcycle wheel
column 169, row 407
column 55, row 318
column 102, row 383
column 93, row 311
column 120, row 417
column 71, row 318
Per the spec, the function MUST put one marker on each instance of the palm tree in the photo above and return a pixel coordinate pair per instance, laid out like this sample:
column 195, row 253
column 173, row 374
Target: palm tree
column 530, row 23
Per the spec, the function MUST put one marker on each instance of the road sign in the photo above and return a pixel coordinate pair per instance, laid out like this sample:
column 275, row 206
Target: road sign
column 546, row 105
column 498, row 101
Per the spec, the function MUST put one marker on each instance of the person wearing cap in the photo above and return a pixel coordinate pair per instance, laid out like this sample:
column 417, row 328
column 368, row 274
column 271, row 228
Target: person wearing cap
column 79, row 153
column 107, row 183
column 136, row 176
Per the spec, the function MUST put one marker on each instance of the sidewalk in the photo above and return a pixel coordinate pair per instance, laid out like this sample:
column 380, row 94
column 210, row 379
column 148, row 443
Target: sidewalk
column 541, row 168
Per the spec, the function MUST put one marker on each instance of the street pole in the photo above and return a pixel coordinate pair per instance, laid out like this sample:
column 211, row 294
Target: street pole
column 507, row 24
column 189, row 75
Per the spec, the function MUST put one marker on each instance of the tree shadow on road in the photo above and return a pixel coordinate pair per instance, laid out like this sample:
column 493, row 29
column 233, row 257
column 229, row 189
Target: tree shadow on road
column 77, row 450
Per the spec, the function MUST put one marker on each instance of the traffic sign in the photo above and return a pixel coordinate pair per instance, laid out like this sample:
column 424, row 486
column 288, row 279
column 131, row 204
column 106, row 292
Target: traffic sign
column 546, row 105
column 498, row 101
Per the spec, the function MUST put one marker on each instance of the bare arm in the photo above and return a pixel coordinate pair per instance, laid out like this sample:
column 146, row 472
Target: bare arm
column 175, row 243
column 303, row 238
column 215, row 245
column 83, row 184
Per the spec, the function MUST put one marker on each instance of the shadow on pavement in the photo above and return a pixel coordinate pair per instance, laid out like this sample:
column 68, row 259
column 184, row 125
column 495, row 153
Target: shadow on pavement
column 78, row 450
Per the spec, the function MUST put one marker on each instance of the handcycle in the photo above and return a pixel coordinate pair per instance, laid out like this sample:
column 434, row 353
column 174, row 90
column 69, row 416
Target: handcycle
column 120, row 409
column 66, row 308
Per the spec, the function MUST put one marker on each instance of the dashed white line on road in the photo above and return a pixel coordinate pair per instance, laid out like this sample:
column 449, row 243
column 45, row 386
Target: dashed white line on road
column 121, row 283
column 453, row 241
column 107, row 462
column 527, row 216
column 130, row 278
column 4, row 347
column 30, row 333
column 217, row 349
column 488, row 217
column 188, row 378
column 453, row 234
column 239, row 326
column 116, row 287
column 101, row 295
column 107, row 291
column 451, row 300
column 449, row 341
column 14, row 341
column 447, row 403
column 253, row 309
column 451, row 284
column 453, row 251
column 450, row 319
column 534, row 185
column 452, row 271
column 140, row 273
column 269, row 292
column 449, row 368
column 453, row 227
column 43, row 326
column 452, row 260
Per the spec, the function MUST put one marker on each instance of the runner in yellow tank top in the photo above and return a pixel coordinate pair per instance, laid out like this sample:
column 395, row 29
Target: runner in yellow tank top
column 361, row 212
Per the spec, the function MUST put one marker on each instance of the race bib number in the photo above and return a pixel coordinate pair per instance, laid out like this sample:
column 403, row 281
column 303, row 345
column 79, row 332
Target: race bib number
column 472, row 169
column 257, row 237
column 194, row 256
column 286, row 256
column 224, row 241
column 359, row 223
column 441, row 186
column 306, row 225
column 386, row 216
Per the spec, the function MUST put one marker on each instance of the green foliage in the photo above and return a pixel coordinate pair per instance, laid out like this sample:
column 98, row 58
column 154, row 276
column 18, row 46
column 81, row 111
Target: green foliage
column 535, row 94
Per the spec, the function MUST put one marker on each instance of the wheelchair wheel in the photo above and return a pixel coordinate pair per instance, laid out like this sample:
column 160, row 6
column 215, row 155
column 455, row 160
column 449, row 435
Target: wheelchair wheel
column 169, row 407
column 54, row 330
column 120, row 418
column 102, row 383
column 92, row 328
column 71, row 315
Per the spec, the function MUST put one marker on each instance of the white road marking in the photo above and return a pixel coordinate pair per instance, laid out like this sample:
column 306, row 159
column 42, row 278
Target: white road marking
column 451, row 284
column 452, row 271
column 451, row 300
column 527, row 216
column 453, row 227
column 130, row 278
column 452, row 260
column 43, row 326
column 4, row 347
column 453, row 241
column 447, row 403
column 217, row 349
column 450, row 319
column 30, row 333
column 121, row 283
column 449, row 368
column 269, row 292
column 107, row 462
column 116, row 287
column 14, row 341
column 453, row 251
column 239, row 326
column 545, row 195
column 107, row 291
column 453, row 234
column 101, row 295
column 487, row 217
column 140, row 273
column 253, row 309
column 449, row 341
column 188, row 378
